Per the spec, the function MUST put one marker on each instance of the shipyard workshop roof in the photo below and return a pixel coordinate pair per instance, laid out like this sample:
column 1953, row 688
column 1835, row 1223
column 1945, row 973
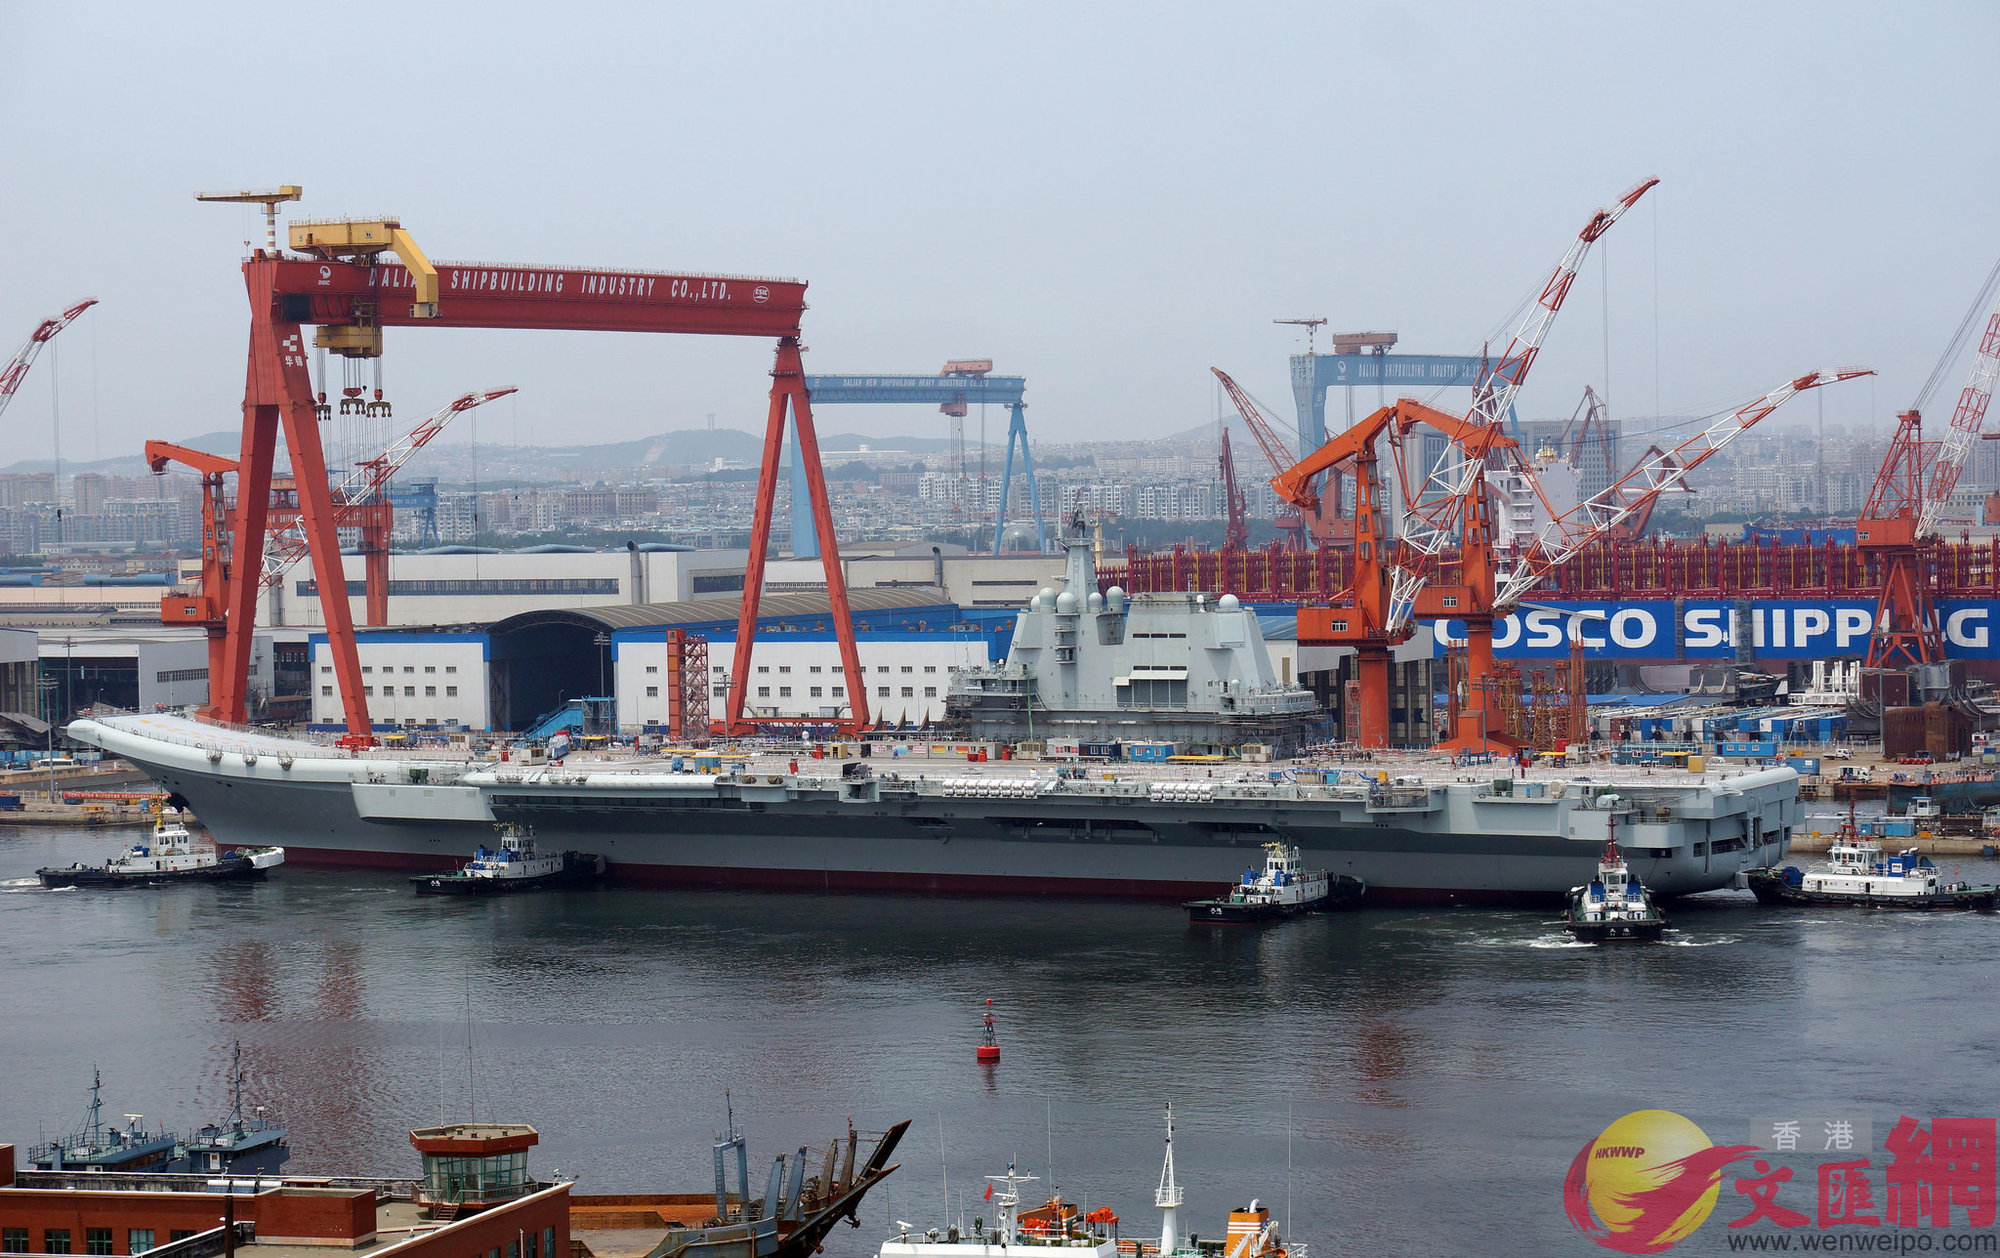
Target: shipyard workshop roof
column 873, row 607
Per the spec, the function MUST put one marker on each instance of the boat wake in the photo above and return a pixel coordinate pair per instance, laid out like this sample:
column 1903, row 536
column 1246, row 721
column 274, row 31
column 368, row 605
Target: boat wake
column 1701, row 943
column 1541, row 941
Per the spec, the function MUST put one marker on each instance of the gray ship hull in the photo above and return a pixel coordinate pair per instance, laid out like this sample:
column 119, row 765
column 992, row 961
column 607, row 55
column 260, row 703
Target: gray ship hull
column 1008, row 833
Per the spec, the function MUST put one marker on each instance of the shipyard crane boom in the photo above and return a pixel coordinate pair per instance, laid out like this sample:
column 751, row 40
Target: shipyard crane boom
column 1965, row 422
column 364, row 484
column 1430, row 517
column 1236, row 532
column 1913, row 489
column 1561, row 539
column 45, row 331
column 1297, row 523
column 1276, row 453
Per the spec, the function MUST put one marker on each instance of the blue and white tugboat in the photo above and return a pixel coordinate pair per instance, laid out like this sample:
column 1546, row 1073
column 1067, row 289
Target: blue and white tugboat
column 1613, row 906
column 169, row 856
column 1283, row 888
column 1858, row 873
column 515, row 865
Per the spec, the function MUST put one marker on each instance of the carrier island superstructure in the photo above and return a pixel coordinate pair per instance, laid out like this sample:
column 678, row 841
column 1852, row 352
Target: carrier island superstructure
column 1178, row 667
column 1427, row 831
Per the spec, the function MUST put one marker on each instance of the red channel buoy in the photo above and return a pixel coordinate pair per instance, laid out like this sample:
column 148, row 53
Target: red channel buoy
column 989, row 1047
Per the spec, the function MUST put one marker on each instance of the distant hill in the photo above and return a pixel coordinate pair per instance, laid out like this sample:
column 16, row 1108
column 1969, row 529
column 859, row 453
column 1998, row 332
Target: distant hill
column 132, row 464
column 687, row 447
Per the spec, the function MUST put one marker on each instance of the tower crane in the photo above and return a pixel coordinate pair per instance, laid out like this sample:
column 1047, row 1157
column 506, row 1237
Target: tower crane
column 1450, row 504
column 1236, row 533
column 1906, row 504
column 45, row 331
column 1295, row 522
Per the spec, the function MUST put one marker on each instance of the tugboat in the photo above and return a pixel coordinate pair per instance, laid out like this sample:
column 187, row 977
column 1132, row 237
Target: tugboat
column 170, row 856
column 235, row 1146
column 1856, row 872
column 1614, row 906
column 1281, row 889
column 513, row 866
column 95, row 1147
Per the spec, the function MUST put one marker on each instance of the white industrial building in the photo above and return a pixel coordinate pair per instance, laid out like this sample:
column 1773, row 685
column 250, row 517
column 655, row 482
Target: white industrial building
column 476, row 587
column 506, row 675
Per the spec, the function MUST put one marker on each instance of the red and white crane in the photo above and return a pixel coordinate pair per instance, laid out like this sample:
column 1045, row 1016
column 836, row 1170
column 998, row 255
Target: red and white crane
column 364, row 484
column 1661, row 471
column 1432, row 515
column 17, row 370
column 1294, row 523
column 1911, row 492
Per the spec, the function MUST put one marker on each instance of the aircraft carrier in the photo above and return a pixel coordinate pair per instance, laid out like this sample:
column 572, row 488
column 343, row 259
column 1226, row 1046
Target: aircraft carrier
column 1082, row 664
column 1170, row 832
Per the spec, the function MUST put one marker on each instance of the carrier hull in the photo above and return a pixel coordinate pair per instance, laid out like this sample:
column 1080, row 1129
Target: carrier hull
column 796, row 832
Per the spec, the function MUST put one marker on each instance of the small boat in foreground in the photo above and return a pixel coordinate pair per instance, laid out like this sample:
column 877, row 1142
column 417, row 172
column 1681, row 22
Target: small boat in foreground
column 515, row 865
column 1060, row 1227
column 1858, row 873
column 1055, row 1228
column 1281, row 889
column 169, row 856
column 1613, row 906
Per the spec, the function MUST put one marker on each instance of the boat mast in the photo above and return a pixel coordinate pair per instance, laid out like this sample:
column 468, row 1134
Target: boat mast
column 236, row 1089
column 1168, row 1196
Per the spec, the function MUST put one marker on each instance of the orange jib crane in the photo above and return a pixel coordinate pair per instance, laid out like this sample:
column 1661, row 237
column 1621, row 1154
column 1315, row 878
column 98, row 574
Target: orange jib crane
column 1360, row 617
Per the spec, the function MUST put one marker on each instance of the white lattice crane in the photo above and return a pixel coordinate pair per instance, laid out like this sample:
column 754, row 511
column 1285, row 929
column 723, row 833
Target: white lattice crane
column 365, row 482
column 1660, row 472
column 1431, row 516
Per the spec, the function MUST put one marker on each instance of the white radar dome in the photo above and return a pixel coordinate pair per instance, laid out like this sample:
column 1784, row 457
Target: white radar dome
column 1228, row 603
column 1066, row 604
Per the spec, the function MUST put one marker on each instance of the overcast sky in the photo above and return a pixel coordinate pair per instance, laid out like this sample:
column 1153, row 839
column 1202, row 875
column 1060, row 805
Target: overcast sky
column 1105, row 199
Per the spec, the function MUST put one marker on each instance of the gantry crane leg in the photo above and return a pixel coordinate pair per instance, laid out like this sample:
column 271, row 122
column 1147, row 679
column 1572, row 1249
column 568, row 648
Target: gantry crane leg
column 788, row 392
column 278, row 390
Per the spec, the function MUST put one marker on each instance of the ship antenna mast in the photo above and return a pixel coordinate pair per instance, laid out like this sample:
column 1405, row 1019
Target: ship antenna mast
column 96, row 1105
column 236, row 1088
column 1168, row 1197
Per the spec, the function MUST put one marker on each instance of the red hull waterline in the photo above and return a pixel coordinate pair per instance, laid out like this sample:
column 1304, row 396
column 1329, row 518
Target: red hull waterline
column 852, row 880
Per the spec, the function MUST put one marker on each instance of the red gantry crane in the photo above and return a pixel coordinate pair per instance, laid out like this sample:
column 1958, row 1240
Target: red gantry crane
column 339, row 279
column 45, row 331
column 1898, row 526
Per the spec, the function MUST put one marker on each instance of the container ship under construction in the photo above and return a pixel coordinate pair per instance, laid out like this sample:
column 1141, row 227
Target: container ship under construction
column 1084, row 664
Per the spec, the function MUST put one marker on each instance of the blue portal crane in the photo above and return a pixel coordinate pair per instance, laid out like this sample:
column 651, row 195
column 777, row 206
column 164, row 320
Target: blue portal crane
column 952, row 391
column 1363, row 358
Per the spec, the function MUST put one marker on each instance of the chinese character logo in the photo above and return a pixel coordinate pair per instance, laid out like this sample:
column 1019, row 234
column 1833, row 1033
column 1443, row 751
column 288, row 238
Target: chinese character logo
column 1647, row 1182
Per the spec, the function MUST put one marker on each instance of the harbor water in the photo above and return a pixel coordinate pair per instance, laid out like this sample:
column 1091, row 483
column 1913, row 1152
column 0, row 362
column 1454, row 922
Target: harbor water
column 1393, row 1082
